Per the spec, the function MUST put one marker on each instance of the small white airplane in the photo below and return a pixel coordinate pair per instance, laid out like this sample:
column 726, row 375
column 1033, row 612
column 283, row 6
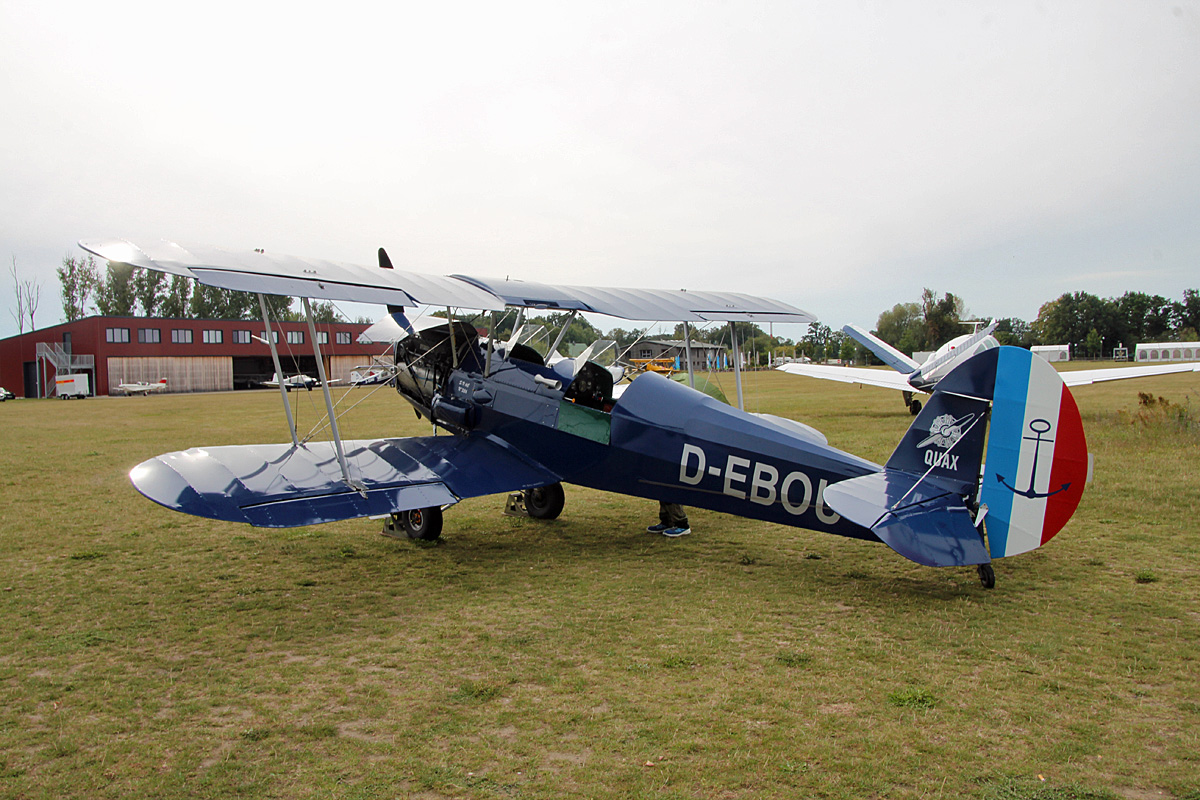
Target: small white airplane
column 143, row 388
column 300, row 381
column 372, row 375
column 910, row 377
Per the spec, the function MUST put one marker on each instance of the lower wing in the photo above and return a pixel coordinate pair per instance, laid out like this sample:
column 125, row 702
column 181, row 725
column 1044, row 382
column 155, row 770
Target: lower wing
column 886, row 379
column 285, row 486
column 1085, row 376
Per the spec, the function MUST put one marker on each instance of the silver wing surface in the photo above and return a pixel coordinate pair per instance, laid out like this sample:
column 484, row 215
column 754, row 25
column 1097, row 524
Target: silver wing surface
column 1083, row 377
column 284, row 486
column 883, row 378
column 269, row 273
column 293, row 276
column 653, row 305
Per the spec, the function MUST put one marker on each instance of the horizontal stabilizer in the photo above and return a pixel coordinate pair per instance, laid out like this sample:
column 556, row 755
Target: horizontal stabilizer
column 919, row 519
column 284, row 486
column 882, row 350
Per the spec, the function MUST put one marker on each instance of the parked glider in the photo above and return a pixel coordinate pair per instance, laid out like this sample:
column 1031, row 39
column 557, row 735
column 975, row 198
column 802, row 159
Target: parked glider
column 143, row 388
column 519, row 424
column 910, row 377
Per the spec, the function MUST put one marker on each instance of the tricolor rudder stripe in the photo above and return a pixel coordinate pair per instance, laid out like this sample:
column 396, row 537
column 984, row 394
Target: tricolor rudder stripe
column 1036, row 463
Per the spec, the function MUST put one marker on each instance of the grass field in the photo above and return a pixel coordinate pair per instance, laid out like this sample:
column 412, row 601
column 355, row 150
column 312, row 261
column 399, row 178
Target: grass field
column 145, row 653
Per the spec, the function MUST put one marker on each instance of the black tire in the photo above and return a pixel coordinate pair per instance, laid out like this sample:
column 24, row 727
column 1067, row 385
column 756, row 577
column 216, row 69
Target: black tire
column 987, row 576
column 422, row 523
column 545, row 502
column 914, row 407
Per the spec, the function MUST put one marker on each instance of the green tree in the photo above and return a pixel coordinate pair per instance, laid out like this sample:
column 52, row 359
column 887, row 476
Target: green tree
column 149, row 287
column 1014, row 331
column 114, row 295
column 1093, row 343
column 903, row 327
column 942, row 318
column 176, row 298
column 77, row 277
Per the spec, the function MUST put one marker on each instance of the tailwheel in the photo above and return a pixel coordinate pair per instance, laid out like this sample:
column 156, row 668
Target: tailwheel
column 914, row 407
column 987, row 576
column 421, row 523
column 545, row 502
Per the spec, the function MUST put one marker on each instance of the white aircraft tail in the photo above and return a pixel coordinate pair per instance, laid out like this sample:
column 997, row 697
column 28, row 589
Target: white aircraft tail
column 934, row 364
column 882, row 350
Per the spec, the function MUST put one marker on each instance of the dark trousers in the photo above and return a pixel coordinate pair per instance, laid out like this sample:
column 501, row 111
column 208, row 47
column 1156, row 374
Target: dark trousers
column 672, row 514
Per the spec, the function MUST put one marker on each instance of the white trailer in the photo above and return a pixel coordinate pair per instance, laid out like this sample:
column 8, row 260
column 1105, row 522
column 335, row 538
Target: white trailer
column 71, row 385
column 1052, row 352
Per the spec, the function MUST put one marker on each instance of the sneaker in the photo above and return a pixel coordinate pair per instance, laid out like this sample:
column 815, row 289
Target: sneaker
column 659, row 528
column 676, row 532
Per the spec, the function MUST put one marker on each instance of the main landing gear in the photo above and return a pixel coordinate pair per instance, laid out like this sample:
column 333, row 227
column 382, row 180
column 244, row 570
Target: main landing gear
column 544, row 502
column 914, row 405
column 987, row 576
column 424, row 524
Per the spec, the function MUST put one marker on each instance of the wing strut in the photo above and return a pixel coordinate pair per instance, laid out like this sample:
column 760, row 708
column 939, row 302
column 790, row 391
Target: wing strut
column 687, row 353
column 337, row 439
column 737, row 366
column 554, row 347
column 287, row 407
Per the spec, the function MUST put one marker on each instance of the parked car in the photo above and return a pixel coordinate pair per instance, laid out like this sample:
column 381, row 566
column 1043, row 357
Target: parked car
column 5, row 394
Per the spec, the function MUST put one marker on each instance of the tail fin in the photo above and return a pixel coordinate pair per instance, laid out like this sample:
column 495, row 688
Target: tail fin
column 1036, row 466
column 882, row 350
column 929, row 368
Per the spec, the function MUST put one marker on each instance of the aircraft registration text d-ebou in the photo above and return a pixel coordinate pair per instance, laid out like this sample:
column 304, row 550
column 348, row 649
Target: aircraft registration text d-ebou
column 522, row 424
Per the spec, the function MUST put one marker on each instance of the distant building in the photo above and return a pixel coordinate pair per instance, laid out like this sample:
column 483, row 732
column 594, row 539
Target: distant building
column 1052, row 352
column 704, row 356
column 1167, row 351
column 194, row 355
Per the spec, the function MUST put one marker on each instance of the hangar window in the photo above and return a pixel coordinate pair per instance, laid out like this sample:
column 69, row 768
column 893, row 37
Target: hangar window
column 241, row 337
column 343, row 337
column 295, row 337
column 274, row 335
column 181, row 336
column 117, row 335
column 213, row 337
column 149, row 335
column 322, row 337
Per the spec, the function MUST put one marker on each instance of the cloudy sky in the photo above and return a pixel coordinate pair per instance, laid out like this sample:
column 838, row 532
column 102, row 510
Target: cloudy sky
column 837, row 155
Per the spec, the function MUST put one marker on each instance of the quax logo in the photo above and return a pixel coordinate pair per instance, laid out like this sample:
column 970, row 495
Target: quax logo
column 944, row 433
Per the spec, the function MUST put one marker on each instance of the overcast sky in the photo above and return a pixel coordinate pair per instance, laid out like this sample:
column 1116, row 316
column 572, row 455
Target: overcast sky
column 837, row 155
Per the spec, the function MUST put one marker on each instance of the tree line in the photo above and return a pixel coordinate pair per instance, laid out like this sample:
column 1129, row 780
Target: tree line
column 1092, row 325
column 125, row 291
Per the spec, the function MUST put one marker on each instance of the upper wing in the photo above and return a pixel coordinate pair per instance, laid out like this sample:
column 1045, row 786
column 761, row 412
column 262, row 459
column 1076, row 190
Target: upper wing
column 870, row 377
column 302, row 277
column 1085, row 376
column 654, row 305
column 284, row 486
column 296, row 277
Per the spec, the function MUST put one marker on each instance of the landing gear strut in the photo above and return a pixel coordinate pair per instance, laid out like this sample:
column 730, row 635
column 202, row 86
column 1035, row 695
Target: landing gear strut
column 914, row 405
column 418, row 523
column 987, row 576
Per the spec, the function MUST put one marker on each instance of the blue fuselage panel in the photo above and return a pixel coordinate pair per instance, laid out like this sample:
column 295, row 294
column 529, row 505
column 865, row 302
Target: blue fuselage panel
column 668, row 442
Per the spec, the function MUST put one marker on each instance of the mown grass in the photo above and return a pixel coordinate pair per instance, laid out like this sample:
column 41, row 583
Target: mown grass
column 146, row 653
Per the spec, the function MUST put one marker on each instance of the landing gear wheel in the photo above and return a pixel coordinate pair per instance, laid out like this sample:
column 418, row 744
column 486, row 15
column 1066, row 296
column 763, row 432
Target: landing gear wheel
column 545, row 502
column 422, row 523
column 987, row 576
column 914, row 407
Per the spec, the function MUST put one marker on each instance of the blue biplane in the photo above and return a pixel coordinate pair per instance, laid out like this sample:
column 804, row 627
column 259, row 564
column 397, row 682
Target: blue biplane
column 522, row 425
